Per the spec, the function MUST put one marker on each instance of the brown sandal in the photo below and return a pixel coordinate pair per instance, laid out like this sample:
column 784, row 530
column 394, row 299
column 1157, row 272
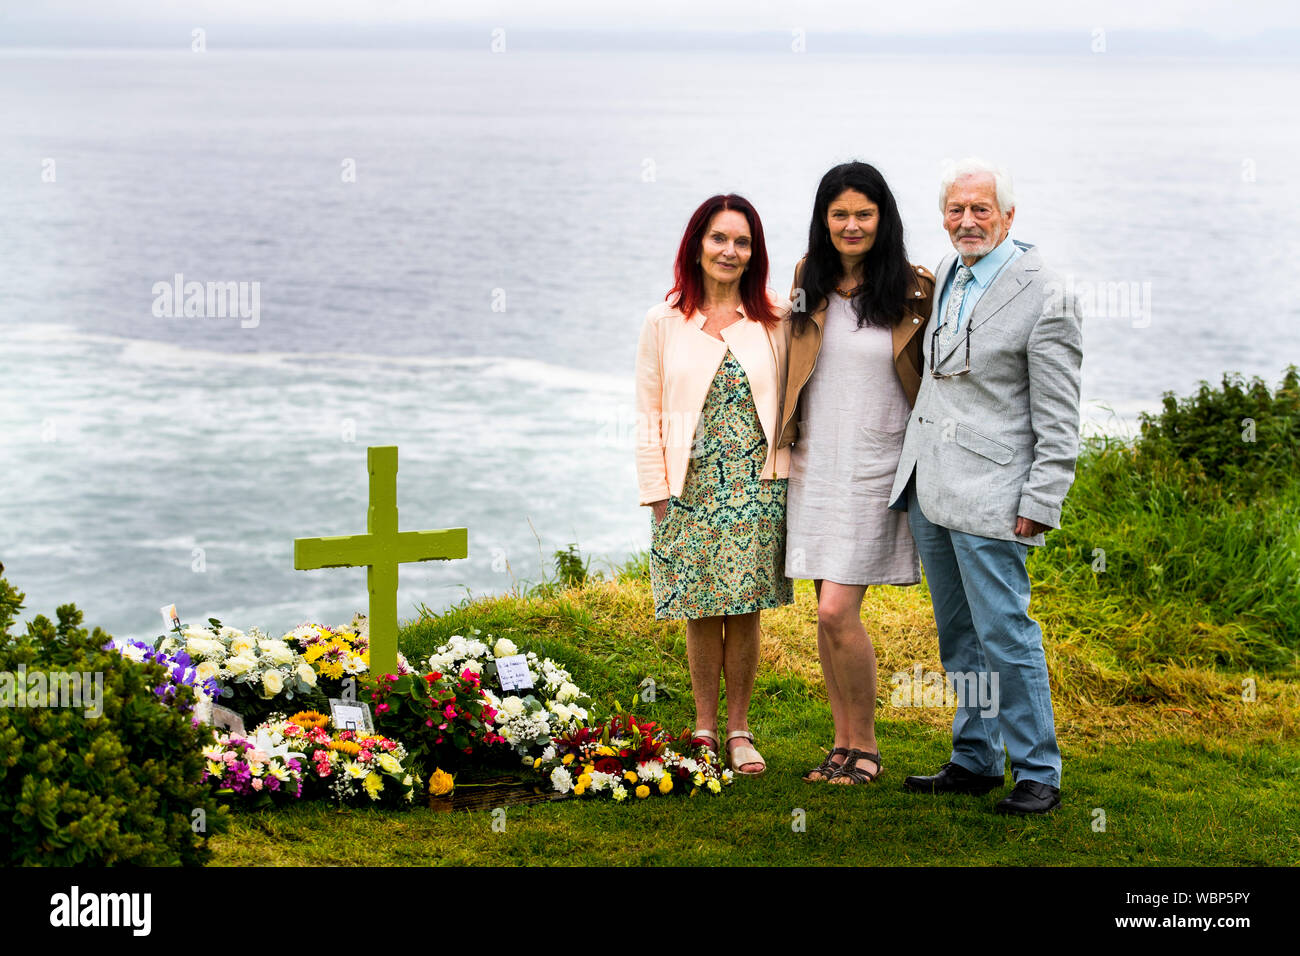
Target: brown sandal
column 855, row 773
column 826, row 768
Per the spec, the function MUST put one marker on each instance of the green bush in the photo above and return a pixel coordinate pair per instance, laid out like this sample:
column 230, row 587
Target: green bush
column 1240, row 436
column 119, row 788
column 1199, row 531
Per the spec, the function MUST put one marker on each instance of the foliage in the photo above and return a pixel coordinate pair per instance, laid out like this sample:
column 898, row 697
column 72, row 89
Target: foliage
column 118, row 788
column 443, row 718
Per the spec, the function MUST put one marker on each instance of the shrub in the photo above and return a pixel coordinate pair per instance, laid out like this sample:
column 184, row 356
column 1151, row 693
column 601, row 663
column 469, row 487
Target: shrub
column 118, row 788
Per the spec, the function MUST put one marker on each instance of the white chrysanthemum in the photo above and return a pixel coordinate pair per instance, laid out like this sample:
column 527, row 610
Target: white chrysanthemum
column 561, row 780
column 620, row 793
column 549, row 753
column 651, row 771
column 727, row 776
column 599, row 781
column 357, row 771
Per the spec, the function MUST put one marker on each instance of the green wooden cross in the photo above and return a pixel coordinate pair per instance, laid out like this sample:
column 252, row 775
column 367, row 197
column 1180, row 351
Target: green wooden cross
column 380, row 551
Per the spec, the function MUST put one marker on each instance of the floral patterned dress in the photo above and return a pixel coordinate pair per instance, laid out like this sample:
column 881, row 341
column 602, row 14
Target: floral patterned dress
column 720, row 548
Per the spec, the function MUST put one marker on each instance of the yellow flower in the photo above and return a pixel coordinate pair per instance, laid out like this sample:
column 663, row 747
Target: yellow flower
column 589, row 768
column 699, row 779
column 440, row 783
column 665, row 784
column 580, row 789
column 374, row 783
column 694, row 791
column 630, row 776
column 604, row 752
column 643, row 791
column 568, row 759
column 537, row 763
column 584, row 780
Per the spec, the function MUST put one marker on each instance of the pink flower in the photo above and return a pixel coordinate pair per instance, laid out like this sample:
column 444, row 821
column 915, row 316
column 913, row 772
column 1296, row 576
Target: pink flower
column 429, row 722
column 450, row 712
column 382, row 709
column 257, row 783
column 442, row 726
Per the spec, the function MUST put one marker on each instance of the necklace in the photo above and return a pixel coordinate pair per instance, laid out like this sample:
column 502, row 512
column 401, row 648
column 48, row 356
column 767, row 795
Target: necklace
column 849, row 294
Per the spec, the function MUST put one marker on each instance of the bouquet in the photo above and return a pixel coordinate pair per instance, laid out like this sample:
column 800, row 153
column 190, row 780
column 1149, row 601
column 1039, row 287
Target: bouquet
column 181, row 673
column 441, row 716
column 337, row 654
column 624, row 758
column 238, row 767
column 526, row 720
column 255, row 673
column 345, row 766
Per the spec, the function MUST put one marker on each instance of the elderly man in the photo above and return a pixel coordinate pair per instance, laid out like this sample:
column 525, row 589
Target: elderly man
column 987, row 460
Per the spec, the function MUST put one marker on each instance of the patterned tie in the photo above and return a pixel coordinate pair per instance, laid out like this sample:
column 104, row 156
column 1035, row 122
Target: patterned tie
column 948, row 331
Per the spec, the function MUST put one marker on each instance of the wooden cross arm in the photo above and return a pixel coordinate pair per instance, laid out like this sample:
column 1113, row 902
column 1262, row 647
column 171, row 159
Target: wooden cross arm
column 360, row 550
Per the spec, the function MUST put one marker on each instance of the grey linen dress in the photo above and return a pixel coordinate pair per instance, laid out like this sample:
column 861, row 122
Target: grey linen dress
column 852, row 416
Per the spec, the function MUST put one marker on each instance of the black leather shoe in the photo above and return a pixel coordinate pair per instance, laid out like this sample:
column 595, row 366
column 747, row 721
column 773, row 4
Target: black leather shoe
column 953, row 778
column 1030, row 796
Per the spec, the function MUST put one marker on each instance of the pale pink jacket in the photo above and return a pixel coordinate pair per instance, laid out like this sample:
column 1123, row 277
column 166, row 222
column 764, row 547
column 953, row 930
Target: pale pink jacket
column 675, row 365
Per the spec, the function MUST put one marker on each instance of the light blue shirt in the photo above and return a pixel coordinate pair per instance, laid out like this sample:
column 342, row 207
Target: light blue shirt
column 983, row 272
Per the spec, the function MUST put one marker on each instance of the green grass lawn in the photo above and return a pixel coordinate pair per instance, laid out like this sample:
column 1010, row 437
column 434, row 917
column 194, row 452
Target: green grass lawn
column 1191, row 776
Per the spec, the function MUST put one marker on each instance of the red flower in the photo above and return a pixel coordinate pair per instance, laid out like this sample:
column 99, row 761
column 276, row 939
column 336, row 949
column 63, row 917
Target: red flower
column 382, row 709
column 609, row 765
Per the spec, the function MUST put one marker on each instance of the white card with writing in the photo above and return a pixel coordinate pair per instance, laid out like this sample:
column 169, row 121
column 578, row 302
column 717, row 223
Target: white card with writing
column 351, row 715
column 223, row 718
column 171, row 620
column 513, row 673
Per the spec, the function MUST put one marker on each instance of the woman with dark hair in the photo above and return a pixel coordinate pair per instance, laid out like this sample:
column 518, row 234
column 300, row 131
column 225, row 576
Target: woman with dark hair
column 854, row 372
column 710, row 376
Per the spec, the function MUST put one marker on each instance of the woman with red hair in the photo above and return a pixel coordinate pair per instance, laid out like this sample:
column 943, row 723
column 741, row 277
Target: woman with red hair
column 710, row 377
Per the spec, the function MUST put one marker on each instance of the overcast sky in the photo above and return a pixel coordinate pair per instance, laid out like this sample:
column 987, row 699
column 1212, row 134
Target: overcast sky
column 1219, row 18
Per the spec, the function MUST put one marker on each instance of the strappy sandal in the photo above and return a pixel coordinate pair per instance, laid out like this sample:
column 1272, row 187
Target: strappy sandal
column 826, row 768
column 706, row 739
column 741, row 755
column 855, row 773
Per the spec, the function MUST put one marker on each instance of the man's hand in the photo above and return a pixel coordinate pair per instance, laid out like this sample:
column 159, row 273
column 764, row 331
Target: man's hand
column 1027, row 529
column 660, row 508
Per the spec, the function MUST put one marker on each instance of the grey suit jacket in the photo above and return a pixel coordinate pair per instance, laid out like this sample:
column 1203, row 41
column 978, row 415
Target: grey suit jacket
column 1001, row 440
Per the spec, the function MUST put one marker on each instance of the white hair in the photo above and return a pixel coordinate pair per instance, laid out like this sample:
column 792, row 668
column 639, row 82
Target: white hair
column 974, row 166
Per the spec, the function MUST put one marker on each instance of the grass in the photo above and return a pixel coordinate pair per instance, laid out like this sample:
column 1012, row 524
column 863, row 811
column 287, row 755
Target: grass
column 1215, row 782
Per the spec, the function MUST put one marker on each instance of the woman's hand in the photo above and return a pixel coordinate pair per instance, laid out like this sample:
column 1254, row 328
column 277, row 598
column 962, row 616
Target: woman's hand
column 660, row 509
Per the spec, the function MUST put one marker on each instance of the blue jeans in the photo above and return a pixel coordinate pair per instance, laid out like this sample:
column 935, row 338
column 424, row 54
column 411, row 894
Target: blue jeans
column 980, row 591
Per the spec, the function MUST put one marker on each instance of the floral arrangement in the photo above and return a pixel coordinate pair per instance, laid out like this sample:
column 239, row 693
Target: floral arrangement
column 338, row 653
column 181, row 672
column 442, row 716
column 254, row 672
column 624, row 758
column 528, row 722
column 238, row 767
column 346, row 766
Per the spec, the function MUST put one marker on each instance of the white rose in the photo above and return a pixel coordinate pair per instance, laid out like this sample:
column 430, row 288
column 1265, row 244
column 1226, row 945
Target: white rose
column 306, row 674
column 272, row 683
column 241, row 645
column 229, row 633
column 240, row 664
column 474, row 667
column 567, row 692
column 389, row 763
column 206, row 670
column 512, row 706
column 505, row 648
column 278, row 651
